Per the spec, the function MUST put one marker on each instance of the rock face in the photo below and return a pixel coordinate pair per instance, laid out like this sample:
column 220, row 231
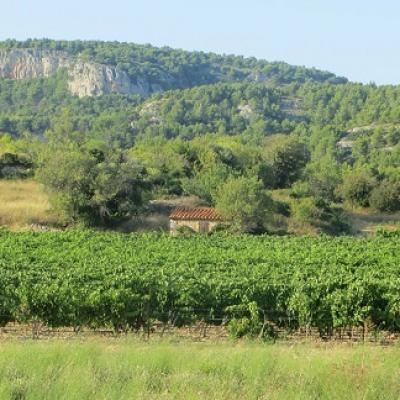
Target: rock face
column 84, row 78
column 31, row 63
column 91, row 79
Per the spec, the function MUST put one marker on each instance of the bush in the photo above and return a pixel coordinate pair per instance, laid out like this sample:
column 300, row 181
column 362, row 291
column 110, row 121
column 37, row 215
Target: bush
column 282, row 208
column 15, row 166
column 386, row 197
column 321, row 214
column 286, row 157
column 357, row 188
column 300, row 189
column 83, row 189
column 307, row 209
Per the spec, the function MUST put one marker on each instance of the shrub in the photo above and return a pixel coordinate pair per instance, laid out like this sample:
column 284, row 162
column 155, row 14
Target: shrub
column 15, row 166
column 300, row 189
column 356, row 189
column 386, row 196
column 307, row 209
column 321, row 214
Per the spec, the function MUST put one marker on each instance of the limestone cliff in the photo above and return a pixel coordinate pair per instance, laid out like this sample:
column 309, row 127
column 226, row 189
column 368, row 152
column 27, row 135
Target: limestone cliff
column 31, row 63
column 91, row 79
column 84, row 78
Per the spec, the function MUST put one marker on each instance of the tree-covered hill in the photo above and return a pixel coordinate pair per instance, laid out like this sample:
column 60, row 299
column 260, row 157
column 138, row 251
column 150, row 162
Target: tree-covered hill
column 223, row 128
column 269, row 97
column 32, row 103
column 165, row 68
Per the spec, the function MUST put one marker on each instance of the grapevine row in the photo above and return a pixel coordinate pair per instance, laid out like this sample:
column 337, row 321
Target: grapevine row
column 84, row 278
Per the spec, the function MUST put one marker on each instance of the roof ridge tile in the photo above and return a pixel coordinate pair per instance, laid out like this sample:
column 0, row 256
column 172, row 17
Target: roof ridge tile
column 196, row 213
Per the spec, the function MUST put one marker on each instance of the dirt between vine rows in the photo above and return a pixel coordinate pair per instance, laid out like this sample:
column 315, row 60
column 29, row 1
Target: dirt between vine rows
column 198, row 332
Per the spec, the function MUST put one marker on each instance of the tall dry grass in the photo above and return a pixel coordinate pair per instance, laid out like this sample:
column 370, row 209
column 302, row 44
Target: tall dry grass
column 365, row 221
column 23, row 203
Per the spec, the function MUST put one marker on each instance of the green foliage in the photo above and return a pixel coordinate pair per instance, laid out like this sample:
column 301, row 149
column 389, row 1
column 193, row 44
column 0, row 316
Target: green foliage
column 245, row 326
column 83, row 278
column 87, row 184
column 213, row 118
column 357, row 187
column 35, row 105
column 252, row 109
column 323, row 176
column 386, row 196
column 206, row 182
column 244, row 202
column 171, row 69
column 286, row 157
column 388, row 234
column 321, row 214
column 28, row 105
column 166, row 163
column 15, row 166
column 307, row 209
column 6, row 144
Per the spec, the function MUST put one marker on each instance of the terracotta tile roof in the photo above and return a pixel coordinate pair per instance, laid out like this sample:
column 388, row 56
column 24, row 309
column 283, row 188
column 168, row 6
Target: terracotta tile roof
column 200, row 213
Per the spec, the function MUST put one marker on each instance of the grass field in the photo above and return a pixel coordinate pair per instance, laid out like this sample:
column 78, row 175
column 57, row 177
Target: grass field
column 23, row 203
column 127, row 369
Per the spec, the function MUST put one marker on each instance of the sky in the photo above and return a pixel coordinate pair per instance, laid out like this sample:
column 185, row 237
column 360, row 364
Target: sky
column 359, row 39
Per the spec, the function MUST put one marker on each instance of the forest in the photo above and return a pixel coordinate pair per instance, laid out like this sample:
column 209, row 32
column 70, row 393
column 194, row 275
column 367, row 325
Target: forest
column 298, row 142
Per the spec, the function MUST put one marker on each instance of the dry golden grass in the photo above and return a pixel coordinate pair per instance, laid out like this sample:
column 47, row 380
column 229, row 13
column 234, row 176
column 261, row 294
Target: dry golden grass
column 365, row 221
column 22, row 204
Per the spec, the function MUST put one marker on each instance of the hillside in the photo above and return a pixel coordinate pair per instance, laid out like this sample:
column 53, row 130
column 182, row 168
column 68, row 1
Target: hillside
column 352, row 108
column 96, row 68
column 162, row 122
column 106, row 79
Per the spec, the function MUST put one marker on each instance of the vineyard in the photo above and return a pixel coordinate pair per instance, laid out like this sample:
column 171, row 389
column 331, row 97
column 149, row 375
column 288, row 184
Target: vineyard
column 253, row 285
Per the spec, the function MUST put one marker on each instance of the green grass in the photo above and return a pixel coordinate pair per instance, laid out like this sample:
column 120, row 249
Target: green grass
column 130, row 369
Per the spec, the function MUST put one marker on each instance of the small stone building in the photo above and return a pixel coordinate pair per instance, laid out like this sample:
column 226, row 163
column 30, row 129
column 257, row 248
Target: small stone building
column 200, row 219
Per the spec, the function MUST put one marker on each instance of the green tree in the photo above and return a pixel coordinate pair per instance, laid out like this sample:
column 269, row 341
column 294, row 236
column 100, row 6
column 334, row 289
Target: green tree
column 323, row 176
column 119, row 185
column 285, row 157
column 68, row 175
column 89, row 185
column 206, row 182
column 244, row 202
column 356, row 188
column 7, row 144
column 386, row 196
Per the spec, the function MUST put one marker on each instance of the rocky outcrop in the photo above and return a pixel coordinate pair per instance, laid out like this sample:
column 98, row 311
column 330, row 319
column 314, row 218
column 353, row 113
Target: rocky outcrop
column 31, row 63
column 246, row 111
column 84, row 78
column 91, row 79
